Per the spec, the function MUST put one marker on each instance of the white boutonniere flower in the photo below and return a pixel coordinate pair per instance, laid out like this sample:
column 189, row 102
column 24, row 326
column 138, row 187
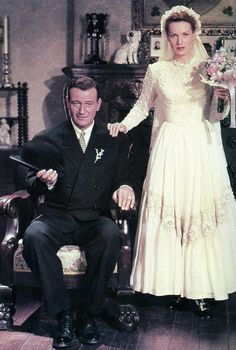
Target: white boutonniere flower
column 99, row 154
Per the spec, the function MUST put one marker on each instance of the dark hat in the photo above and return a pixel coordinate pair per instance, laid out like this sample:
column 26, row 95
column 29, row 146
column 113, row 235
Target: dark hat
column 38, row 155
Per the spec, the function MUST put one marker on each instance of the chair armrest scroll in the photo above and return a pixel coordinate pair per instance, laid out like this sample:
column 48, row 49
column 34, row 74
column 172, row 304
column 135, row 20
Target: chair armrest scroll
column 10, row 208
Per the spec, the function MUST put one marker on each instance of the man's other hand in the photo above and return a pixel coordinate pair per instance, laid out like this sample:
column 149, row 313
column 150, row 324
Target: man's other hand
column 124, row 197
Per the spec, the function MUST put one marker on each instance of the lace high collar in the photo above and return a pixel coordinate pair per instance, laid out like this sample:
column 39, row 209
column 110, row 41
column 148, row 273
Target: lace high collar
column 184, row 64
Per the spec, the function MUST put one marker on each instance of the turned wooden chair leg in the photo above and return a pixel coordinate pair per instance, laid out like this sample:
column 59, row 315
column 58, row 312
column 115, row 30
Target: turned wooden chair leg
column 127, row 315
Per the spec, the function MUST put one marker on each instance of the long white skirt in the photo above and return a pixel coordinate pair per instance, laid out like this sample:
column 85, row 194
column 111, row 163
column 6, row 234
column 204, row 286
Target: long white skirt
column 186, row 237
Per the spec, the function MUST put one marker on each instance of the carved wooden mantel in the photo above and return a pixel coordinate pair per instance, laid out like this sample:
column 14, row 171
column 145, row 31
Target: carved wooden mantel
column 105, row 71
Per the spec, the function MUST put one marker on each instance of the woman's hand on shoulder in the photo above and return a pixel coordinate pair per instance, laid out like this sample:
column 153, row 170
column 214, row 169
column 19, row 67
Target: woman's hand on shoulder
column 115, row 128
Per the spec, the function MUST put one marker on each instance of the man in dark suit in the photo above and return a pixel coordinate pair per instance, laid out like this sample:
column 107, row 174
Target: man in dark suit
column 76, row 209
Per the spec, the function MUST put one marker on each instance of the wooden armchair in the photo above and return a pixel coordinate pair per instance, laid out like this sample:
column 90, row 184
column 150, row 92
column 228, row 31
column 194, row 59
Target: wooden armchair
column 19, row 209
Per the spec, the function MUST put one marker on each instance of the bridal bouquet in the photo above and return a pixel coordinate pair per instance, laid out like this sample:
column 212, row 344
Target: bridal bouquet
column 220, row 70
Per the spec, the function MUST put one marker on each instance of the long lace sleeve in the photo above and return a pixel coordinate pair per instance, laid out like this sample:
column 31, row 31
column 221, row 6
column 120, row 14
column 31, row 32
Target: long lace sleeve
column 141, row 108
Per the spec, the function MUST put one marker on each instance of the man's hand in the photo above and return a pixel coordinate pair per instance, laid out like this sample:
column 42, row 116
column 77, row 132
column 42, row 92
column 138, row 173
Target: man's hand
column 48, row 176
column 115, row 128
column 124, row 197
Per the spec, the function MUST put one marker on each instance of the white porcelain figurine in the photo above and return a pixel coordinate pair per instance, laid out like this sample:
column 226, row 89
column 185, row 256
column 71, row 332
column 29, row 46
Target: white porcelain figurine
column 128, row 52
column 5, row 138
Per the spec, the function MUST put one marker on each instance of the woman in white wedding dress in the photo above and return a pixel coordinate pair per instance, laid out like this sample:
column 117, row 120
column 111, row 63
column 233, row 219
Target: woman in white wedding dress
column 186, row 236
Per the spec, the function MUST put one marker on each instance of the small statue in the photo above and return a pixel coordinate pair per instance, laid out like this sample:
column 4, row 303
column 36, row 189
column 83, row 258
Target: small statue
column 128, row 53
column 5, row 138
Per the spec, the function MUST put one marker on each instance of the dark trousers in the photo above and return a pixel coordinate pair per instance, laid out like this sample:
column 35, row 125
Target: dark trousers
column 98, row 238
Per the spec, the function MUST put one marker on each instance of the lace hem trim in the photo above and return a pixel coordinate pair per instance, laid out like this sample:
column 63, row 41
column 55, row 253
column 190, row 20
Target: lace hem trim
column 194, row 225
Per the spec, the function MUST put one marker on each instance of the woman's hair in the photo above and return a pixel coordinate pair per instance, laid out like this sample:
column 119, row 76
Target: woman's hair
column 180, row 17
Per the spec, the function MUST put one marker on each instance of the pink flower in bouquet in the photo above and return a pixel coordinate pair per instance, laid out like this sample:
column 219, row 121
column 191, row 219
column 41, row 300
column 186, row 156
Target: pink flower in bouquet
column 221, row 68
column 213, row 69
column 218, row 57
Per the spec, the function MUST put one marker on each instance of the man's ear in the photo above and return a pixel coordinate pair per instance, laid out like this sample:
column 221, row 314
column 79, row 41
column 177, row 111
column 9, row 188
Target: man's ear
column 99, row 103
column 67, row 101
column 67, row 107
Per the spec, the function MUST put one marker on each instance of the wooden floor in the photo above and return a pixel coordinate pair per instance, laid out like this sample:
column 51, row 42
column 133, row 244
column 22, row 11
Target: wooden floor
column 159, row 329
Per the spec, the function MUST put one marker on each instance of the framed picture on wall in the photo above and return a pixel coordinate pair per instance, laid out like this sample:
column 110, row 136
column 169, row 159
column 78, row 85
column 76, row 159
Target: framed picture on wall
column 230, row 44
column 215, row 14
column 155, row 46
column 209, row 41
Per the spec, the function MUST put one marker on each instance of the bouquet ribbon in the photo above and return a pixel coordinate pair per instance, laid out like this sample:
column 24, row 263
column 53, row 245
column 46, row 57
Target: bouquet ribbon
column 232, row 104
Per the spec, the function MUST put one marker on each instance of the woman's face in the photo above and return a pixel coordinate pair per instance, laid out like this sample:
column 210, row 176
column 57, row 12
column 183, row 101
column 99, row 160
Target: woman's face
column 181, row 39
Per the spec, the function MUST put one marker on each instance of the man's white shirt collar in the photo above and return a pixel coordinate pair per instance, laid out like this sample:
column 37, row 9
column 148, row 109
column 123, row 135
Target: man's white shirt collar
column 87, row 132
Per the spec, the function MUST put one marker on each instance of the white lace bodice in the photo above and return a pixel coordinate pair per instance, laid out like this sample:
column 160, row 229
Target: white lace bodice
column 181, row 97
column 177, row 94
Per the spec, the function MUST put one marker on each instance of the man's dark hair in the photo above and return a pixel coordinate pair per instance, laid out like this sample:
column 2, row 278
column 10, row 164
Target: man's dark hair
column 83, row 83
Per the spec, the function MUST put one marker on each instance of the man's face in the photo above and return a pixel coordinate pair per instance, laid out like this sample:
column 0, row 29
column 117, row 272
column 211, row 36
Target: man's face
column 83, row 106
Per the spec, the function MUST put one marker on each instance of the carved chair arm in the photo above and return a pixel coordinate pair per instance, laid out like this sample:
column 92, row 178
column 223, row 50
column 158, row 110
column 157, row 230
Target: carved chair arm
column 10, row 208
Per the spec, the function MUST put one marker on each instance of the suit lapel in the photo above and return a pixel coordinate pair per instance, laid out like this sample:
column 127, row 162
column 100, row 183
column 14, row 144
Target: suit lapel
column 71, row 146
column 84, row 162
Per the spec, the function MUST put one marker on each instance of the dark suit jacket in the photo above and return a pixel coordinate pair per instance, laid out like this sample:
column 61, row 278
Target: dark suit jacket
column 85, row 185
